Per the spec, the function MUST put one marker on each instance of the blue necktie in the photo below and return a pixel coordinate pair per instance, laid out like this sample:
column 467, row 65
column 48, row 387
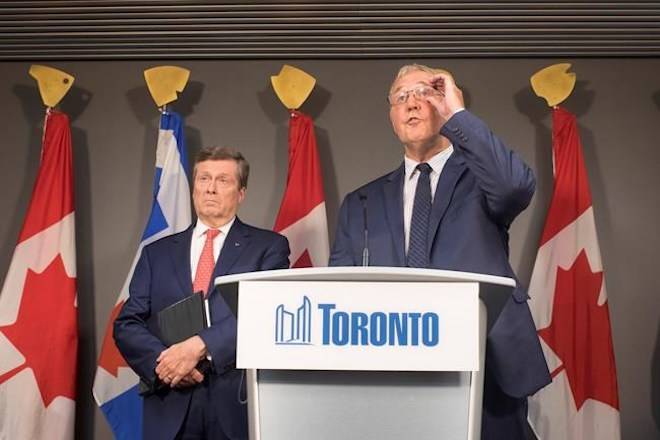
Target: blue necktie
column 419, row 224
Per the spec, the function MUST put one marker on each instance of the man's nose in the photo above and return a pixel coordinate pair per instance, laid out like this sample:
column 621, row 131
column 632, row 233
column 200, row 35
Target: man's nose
column 211, row 187
column 412, row 103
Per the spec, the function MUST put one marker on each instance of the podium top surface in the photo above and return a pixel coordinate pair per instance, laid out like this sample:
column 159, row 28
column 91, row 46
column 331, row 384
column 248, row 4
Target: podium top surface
column 352, row 273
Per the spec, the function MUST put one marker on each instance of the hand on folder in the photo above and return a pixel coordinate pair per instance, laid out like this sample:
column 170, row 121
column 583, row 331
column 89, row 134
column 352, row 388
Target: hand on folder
column 183, row 363
column 178, row 362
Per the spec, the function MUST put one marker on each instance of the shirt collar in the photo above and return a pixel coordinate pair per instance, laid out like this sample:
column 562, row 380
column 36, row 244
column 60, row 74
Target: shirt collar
column 201, row 228
column 435, row 162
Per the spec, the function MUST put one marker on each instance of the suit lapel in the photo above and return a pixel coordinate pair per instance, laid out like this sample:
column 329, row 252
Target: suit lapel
column 444, row 190
column 237, row 239
column 393, row 194
column 181, row 259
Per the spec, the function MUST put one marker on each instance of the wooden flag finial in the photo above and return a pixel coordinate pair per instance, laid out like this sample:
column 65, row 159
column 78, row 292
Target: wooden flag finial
column 53, row 83
column 164, row 82
column 292, row 86
column 554, row 83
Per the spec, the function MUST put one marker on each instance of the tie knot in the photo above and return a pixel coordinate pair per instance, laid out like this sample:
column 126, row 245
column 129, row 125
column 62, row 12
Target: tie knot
column 212, row 233
column 424, row 168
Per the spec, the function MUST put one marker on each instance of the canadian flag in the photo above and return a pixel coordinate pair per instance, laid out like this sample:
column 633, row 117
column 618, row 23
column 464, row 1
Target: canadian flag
column 302, row 218
column 569, row 306
column 38, row 311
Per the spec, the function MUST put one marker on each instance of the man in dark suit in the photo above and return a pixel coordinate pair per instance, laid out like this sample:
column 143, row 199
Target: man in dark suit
column 191, row 404
column 449, row 206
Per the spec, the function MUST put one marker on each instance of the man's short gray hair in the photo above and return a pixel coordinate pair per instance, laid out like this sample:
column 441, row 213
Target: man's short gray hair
column 225, row 153
column 404, row 70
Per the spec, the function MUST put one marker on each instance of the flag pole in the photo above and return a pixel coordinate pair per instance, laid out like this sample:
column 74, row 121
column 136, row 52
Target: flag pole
column 53, row 85
column 115, row 385
column 568, row 298
column 302, row 216
column 38, row 306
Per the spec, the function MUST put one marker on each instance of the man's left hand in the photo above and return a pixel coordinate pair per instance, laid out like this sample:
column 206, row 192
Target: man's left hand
column 449, row 99
column 179, row 360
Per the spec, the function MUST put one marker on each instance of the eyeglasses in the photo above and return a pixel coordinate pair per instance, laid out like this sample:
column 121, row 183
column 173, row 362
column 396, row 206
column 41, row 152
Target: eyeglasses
column 422, row 91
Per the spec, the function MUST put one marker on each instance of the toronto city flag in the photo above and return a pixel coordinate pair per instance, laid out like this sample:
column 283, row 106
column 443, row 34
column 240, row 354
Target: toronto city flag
column 115, row 384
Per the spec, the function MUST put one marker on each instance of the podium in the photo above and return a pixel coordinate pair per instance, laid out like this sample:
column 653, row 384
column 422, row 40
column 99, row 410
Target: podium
column 364, row 352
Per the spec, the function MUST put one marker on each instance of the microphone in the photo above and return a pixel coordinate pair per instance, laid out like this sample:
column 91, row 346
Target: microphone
column 365, row 250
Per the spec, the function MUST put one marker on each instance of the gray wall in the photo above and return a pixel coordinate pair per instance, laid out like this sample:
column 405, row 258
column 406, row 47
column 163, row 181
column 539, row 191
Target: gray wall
column 114, row 126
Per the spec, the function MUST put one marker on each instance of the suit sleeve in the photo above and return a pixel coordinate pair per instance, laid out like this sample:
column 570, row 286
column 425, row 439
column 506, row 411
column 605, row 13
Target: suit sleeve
column 342, row 254
column 139, row 347
column 506, row 181
column 276, row 255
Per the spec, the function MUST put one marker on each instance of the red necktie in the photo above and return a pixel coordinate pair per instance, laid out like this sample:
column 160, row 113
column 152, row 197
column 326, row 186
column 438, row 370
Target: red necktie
column 206, row 263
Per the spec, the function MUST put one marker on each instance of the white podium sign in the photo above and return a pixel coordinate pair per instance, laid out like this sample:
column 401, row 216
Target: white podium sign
column 393, row 326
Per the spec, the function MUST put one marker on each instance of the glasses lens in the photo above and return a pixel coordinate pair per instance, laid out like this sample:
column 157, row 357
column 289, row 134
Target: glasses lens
column 420, row 92
column 423, row 92
column 398, row 98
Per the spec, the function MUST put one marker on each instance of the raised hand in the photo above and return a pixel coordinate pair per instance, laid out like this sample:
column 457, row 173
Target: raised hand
column 449, row 98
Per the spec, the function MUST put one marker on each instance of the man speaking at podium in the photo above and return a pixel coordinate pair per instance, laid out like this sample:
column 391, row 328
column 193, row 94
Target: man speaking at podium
column 449, row 206
column 184, row 402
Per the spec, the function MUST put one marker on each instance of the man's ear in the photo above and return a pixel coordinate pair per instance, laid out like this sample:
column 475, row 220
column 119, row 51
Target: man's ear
column 241, row 195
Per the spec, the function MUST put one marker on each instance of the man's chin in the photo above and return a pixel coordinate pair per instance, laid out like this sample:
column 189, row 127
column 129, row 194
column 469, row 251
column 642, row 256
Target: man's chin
column 417, row 140
column 210, row 214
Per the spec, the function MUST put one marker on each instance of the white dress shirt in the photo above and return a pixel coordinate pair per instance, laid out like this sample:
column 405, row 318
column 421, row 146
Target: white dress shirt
column 410, row 178
column 198, row 240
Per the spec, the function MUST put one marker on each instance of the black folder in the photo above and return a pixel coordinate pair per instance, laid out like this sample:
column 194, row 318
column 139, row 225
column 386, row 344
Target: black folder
column 176, row 323
column 182, row 319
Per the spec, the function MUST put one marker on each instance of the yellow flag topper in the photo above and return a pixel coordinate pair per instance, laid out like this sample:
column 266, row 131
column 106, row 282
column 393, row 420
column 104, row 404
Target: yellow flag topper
column 292, row 86
column 554, row 83
column 164, row 82
column 53, row 84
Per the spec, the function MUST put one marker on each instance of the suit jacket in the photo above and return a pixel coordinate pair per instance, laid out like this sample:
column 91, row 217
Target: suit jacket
column 161, row 278
column 481, row 190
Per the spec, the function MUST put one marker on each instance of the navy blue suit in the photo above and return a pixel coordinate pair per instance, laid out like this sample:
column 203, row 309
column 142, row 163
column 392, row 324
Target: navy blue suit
column 481, row 190
column 162, row 277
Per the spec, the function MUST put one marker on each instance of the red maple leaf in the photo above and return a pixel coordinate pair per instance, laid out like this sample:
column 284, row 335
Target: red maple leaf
column 110, row 359
column 579, row 333
column 46, row 331
column 303, row 261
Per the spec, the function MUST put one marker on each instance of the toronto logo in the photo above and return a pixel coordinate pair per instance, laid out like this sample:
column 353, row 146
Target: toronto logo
column 294, row 328
column 356, row 328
